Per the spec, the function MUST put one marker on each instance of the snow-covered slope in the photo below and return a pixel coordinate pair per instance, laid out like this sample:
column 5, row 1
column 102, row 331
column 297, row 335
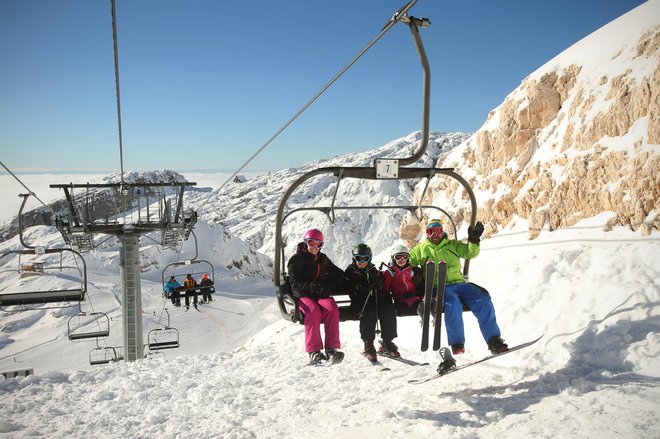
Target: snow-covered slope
column 595, row 373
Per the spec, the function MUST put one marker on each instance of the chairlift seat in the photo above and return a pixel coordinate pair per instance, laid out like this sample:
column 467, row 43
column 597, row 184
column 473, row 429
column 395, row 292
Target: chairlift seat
column 85, row 335
column 169, row 339
column 39, row 297
column 343, row 303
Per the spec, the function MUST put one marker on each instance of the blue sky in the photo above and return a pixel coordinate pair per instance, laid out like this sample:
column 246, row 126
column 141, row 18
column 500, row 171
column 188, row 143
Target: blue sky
column 205, row 83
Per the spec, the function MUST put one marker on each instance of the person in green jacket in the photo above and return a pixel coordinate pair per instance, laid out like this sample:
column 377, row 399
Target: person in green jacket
column 438, row 247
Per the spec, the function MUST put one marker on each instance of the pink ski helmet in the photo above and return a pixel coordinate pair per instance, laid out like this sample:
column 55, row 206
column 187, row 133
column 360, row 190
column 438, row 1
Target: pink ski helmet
column 314, row 234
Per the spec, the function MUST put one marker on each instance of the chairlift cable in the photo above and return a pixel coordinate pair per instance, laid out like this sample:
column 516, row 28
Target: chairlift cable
column 28, row 189
column 114, row 40
column 395, row 19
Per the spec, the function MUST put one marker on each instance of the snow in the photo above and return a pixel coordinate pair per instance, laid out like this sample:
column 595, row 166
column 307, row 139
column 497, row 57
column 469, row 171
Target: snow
column 241, row 373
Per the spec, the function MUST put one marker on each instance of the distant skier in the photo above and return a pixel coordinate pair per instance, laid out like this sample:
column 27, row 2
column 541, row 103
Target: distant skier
column 190, row 285
column 313, row 277
column 405, row 282
column 437, row 247
column 206, row 288
column 370, row 303
column 171, row 290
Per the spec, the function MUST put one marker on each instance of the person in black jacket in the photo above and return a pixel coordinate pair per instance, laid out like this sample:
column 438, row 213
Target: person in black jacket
column 190, row 284
column 206, row 288
column 370, row 303
column 313, row 277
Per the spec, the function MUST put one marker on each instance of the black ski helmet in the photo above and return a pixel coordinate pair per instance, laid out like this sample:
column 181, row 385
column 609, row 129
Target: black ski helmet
column 362, row 250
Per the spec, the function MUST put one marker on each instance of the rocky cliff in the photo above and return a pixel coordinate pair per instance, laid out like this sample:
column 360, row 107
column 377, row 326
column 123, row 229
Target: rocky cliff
column 579, row 137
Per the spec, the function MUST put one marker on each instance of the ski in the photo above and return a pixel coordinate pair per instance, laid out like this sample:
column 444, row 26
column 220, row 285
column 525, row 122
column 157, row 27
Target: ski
column 463, row 366
column 376, row 363
column 403, row 360
column 439, row 303
column 429, row 276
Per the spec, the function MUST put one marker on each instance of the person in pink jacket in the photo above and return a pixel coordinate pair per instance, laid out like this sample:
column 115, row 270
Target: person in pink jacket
column 313, row 278
column 404, row 281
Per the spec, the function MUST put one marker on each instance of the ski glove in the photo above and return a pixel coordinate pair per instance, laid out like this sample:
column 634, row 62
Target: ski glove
column 474, row 233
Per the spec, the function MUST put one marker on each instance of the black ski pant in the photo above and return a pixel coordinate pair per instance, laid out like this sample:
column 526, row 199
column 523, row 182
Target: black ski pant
column 384, row 313
column 191, row 293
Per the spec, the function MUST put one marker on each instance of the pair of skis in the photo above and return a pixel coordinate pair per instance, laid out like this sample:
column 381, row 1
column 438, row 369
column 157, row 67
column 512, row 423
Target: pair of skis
column 430, row 273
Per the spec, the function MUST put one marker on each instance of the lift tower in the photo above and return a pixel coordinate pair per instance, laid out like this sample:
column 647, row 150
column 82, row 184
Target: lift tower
column 127, row 210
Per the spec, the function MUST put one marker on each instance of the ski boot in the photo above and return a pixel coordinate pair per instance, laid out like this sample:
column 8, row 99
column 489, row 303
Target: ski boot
column 388, row 348
column 496, row 345
column 448, row 363
column 316, row 358
column 334, row 356
column 370, row 351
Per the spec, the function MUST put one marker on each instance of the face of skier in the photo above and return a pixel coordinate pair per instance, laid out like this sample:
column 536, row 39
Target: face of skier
column 314, row 246
column 401, row 259
column 434, row 231
column 362, row 261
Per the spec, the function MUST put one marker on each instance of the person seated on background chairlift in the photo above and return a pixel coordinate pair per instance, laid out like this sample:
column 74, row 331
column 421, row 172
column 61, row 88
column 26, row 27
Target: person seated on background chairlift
column 171, row 290
column 206, row 285
column 190, row 285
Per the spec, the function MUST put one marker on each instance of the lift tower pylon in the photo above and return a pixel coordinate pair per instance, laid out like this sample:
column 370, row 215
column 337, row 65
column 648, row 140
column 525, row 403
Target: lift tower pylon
column 127, row 210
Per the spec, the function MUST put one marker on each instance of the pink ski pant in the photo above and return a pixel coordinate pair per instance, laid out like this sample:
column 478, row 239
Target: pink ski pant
column 316, row 312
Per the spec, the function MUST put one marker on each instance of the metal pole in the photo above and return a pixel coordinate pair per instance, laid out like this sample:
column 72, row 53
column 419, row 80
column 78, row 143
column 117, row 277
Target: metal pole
column 131, row 294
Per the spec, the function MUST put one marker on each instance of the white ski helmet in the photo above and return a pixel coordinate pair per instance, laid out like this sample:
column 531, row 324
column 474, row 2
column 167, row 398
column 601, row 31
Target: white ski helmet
column 399, row 249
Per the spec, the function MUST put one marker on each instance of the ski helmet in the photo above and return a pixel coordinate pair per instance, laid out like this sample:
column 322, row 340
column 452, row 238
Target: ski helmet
column 434, row 223
column 399, row 249
column 362, row 250
column 314, row 234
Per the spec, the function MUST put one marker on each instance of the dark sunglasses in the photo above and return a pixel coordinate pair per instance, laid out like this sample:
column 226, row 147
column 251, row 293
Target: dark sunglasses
column 314, row 243
column 362, row 258
column 401, row 257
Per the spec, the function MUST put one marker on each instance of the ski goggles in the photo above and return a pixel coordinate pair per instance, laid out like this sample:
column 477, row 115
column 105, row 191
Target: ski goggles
column 434, row 230
column 401, row 257
column 362, row 258
column 314, row 243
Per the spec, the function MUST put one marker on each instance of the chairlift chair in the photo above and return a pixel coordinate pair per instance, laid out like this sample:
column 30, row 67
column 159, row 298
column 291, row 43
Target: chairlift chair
column 78, row 324
column 104, row 355
column 383, row 169
column 166, row 337
column 163, row 338
column 56, row 298
column 195, row 267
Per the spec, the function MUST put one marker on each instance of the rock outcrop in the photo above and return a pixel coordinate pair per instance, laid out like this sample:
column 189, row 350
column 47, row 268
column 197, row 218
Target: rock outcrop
column 570, row 143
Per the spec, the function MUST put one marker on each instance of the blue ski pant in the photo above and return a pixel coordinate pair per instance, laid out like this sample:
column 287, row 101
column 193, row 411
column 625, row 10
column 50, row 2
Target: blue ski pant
column 480, row 305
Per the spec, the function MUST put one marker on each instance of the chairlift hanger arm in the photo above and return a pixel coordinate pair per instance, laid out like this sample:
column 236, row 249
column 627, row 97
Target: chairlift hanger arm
column 414, row 25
